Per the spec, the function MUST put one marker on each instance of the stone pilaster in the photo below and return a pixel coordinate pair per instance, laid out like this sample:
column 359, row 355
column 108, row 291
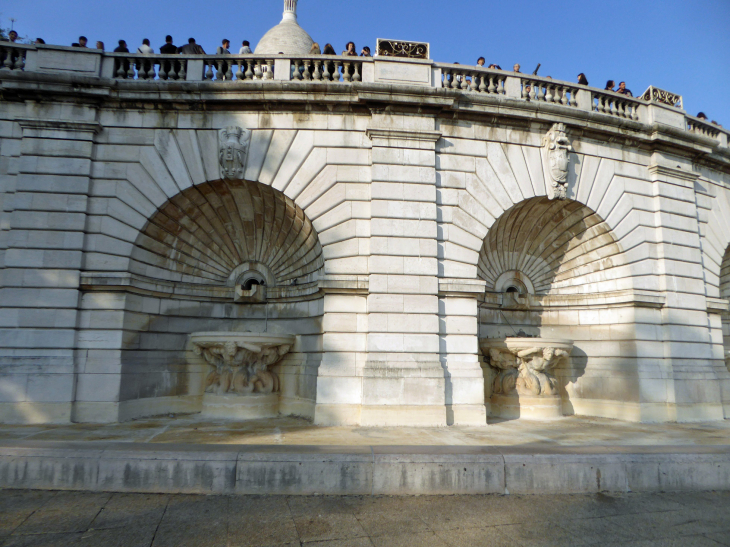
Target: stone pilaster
column 43, row 261
column 693, row 375
column 403, row 380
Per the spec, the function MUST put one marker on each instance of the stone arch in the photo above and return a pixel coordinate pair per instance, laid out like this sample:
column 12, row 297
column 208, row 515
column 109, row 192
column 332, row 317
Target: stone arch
column 194, row 249
column 560, row 247
column 207, row 231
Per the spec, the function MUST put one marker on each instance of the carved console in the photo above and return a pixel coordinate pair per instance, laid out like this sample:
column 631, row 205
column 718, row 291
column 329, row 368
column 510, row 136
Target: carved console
column 240, row 383
column 521, row 380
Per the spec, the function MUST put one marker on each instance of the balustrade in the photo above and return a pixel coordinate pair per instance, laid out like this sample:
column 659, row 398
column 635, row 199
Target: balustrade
column 12, row 56
column 344, row 69
column 477, row 80
column 614, row 104
column 549, row 91
column 702, row 128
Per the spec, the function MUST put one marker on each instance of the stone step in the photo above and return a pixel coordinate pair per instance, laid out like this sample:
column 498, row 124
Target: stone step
column 360, row 470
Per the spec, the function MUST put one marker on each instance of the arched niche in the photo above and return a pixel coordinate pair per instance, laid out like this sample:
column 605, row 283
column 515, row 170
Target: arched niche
column 191, row 261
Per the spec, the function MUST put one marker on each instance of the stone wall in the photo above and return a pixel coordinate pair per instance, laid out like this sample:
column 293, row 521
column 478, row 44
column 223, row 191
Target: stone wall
column 120, row 237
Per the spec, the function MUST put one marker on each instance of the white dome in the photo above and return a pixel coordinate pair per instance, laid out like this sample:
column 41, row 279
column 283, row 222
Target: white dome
column 287, row 37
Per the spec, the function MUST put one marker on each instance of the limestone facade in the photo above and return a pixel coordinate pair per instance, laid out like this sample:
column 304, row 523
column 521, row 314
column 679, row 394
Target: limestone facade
column 388, row 224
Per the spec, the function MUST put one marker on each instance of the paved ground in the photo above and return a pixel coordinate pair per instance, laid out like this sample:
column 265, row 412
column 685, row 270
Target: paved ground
column 61, row 519
column 569, row 431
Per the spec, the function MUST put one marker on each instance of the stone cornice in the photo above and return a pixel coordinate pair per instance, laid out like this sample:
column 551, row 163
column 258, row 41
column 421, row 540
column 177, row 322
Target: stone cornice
column 60, row 125
column 662, row 171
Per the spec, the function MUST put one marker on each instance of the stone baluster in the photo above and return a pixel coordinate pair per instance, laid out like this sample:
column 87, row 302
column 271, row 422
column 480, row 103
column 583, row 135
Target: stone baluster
column 474, row 82
column 162, row 73
column 500, row 85
column 525, row 90
column 269, row 70
column 357, row 77
column 540, row 93
column 445, row 80
column 296, row 73
column 346, row 72
column 549, row 97
column 229, row 71
column 573, row 97
column 8, row 62
column 219, row 73
column 483, row 87
column 317, row 74
column 248, row 74
column 208, row 70
column 130, row 68
column 533, row 93
column 181, row 73
column 464, row 81
column 258, row 71
column 492, row 88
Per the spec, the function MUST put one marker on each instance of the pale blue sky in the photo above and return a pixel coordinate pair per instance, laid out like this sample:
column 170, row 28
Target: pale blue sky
column 679, row 45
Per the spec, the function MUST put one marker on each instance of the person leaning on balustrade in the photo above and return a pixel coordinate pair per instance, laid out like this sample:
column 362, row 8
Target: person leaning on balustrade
column 81, row 43
column 481, row 61
column 191, row 48
column 582, row 80
column 223, row 49
column 365, row 52
column 122, row 47
column 315, row 49
column 145, row 48
column 41, row 41
column 610, row 84
column 100, row 45
column 169, row 48
column 12, row 36
column 350, row 50
column 623, row 91
column 245, row 48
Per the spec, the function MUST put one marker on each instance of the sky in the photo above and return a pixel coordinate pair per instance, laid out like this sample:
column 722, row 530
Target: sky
column 682, row 46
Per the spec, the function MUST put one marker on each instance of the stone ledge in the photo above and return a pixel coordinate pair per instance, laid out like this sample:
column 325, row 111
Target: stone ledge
column 616, row 299
column 361, row 470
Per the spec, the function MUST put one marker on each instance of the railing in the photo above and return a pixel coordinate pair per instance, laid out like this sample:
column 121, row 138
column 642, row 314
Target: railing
column 240, row 68
column 702, row 128
column 547, row 90
column 476, row 79
column 12, row 56
column 615, row 104
column 342, row 69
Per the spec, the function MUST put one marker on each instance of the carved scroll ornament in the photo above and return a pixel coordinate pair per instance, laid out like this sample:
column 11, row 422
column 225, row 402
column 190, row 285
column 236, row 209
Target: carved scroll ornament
column 233, row 145
column 557, row 146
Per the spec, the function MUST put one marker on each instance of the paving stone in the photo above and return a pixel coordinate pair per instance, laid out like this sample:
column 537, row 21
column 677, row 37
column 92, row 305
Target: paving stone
column 17, row 505
column 44, row 540
column 476, row 537
column 131, row 510
column 320, row 519
column 388, row 516
column 425, row 539
column 65, row 512
column 131, row 536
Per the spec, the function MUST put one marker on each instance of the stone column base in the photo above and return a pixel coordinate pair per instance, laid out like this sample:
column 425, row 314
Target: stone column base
column 231, row 406
column 515, row 406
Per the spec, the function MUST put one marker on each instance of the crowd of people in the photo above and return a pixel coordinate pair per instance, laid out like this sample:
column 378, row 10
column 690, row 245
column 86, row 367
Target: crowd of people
column 193, row 48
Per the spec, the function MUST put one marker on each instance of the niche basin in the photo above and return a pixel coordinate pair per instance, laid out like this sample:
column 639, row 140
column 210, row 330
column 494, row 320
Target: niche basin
column 520, row 378
column 240, row 384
